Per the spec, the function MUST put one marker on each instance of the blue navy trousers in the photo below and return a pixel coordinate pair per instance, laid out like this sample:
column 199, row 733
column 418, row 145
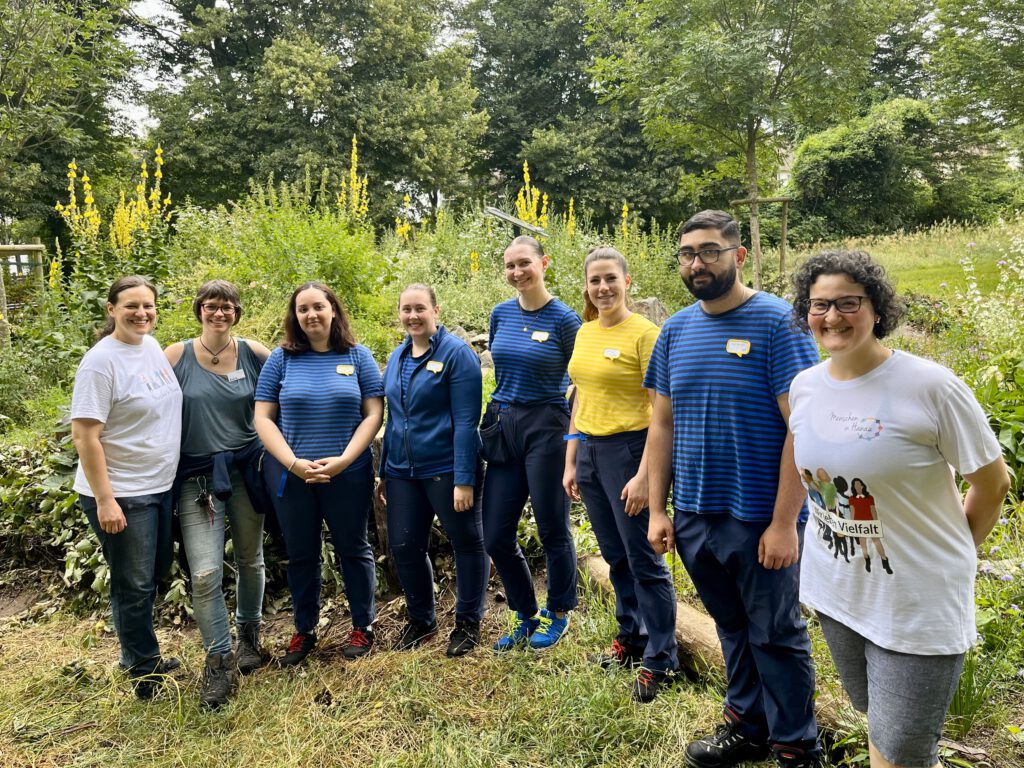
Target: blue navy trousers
column 412, row 505
column 757, row 614
column 645, row 598
column 533, row 435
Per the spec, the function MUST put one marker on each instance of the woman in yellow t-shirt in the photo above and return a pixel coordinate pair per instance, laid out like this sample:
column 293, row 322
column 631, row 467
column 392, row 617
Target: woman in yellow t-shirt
column 606, row 466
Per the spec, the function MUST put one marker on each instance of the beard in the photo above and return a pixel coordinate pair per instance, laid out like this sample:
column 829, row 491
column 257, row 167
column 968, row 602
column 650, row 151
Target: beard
column 716, row 287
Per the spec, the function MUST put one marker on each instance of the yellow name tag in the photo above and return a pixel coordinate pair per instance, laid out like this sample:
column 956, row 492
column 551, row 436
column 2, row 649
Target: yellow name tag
column 612, row 354
column 435, row 366
column 540, row 336
column 738, row 347
column 346, row 370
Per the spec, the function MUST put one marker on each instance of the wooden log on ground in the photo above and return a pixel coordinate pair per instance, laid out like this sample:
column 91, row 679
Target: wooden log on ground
column 700, row 650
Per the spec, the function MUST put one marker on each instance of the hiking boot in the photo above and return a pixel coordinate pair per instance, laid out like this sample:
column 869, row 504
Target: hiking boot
column 794, row 757
column 550, row 631
column 359, row 643
column 649, row 681
column 519, row 635
column 415, row 634
column 298, row 649
column 726, row 747
column 218, row 680
column 619, row 655
column 464, row 638
column 248, row 655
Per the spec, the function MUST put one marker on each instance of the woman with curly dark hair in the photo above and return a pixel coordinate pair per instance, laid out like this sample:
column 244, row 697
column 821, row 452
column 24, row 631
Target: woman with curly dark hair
column 319, row 403
column 896, row 423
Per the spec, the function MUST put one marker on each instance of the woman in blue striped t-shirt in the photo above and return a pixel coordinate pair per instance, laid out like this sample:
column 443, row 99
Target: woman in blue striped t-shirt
column 531, row 341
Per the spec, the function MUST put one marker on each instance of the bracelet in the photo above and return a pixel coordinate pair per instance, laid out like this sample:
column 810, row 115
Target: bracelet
column 290, row 466
column 575, row 436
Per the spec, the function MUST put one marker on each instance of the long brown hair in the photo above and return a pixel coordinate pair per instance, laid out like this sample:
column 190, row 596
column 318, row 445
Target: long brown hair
column 340, row 338
column 601, row 253
column 123, row 284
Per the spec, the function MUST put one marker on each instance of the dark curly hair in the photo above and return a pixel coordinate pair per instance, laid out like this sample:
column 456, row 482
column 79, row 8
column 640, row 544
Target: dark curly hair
column 860, row 268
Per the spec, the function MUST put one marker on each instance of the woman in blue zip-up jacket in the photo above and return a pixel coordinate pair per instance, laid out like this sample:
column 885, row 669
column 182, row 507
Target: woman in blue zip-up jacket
column 430, row 466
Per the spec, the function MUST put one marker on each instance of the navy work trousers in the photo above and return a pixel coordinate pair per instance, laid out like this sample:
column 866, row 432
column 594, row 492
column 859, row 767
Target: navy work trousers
column 533, row 435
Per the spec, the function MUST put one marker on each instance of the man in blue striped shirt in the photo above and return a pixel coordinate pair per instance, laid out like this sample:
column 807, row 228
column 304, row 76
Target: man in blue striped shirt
column 722, row 369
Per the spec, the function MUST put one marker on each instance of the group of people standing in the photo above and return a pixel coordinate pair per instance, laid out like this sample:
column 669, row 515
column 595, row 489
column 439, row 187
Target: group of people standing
column 719, row 409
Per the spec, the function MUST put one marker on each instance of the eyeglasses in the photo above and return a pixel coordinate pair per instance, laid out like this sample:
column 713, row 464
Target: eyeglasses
column 707, row 255
column 845, row 304
column 212, row 309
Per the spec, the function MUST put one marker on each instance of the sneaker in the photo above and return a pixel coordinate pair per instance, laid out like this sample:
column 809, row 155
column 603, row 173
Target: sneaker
column 550, row 631
column 727, row 746
column 464, row 638
column 248, row 655
column 359, row 643
column 415, row 634
column 619, row 655
column 648, row 682
column 794, row 757
column 519, row 635
column 299, row 648
column 218, row 680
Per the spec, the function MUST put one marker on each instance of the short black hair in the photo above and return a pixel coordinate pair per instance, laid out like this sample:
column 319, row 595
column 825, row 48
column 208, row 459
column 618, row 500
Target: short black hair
column 861, row 269
column 712, row 219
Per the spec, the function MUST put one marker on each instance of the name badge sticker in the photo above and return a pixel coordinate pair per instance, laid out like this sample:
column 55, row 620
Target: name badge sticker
column 435, row 366
column 612, row 354
column 345, row 370
column 540, row 336
column 738, row 347
column 237, row 375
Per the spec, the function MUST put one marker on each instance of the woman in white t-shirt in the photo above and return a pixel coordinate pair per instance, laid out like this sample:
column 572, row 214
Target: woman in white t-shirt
column 126, row 425
column 899, row 425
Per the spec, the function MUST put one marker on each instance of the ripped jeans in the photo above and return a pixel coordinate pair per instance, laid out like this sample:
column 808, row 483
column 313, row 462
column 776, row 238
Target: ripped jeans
column 204, row 547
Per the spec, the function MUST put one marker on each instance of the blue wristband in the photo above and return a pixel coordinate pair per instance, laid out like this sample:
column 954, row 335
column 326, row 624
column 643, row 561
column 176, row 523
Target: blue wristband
column 575, row 436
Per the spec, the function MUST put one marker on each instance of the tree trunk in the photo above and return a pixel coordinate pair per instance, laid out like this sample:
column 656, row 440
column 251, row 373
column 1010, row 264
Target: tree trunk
column 752, row 190
column 5, row 329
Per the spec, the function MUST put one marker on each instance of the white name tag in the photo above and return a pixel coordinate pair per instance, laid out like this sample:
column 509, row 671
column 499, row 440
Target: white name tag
column 346, row 370
column 612, row 354
column 435, row 366
column 738, row 347
column 237, row 375
column 540, row 336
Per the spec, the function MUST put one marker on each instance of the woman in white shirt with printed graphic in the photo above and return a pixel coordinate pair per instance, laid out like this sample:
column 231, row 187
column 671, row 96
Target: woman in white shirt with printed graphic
column 900, row 425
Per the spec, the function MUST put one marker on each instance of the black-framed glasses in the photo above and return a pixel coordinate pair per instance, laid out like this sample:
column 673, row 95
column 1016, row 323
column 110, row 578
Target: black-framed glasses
column 227, row 309
column 686, row 257
column 845, row 304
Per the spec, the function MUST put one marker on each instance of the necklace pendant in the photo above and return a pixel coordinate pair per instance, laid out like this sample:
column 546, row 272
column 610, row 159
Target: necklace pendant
column 214, row 359
column 525, row 329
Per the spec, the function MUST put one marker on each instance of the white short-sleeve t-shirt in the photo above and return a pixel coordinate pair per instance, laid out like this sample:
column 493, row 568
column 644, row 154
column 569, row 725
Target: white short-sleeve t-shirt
column 132, row 390
column 877, row 456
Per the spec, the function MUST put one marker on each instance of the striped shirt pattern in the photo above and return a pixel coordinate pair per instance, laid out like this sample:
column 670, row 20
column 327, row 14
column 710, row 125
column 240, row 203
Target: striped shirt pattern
column 531, row 351
column 320, row 398
column 727, row 429
column 608, row 367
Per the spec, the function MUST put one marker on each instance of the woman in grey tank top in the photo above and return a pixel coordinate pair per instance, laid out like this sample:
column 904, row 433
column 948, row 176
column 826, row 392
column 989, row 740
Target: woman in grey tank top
column 220, row 450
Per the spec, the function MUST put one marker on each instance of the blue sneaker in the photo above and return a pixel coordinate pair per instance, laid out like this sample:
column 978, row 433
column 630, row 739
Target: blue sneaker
column 550, row 630
column 519, row 635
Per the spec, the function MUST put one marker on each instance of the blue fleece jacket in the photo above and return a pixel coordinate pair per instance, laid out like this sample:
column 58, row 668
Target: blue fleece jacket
column 432, row 425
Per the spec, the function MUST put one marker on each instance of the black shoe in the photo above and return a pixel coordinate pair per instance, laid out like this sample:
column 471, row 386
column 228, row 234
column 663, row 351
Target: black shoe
column 867, row 564
column 414, row 634
column 619, row 655
column 218, row 680
column 648, row 682
column 794, row 757
column 298, row 649
column 885, row 566
column 147, row 687
column 726, row 747
column 360, row 641
column 248, row 655
column 464, row 638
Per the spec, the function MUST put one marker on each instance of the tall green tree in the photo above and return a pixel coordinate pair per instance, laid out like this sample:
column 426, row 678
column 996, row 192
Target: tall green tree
column 273, row 87
column 736, row 77
column 59, row 64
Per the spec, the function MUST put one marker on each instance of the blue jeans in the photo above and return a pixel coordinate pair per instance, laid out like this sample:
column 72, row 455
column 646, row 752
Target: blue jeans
column 534, row 470
column 204, row 546
column 138, row 557
column 645, row 597
column 757, row 614
column 412, row 505
column 302, row 509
